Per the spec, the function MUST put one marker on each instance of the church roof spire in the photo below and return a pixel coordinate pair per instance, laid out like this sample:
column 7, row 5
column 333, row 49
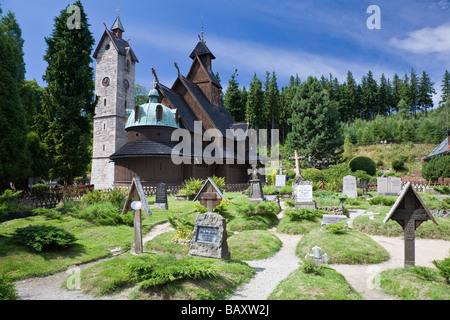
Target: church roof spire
column 118, row 25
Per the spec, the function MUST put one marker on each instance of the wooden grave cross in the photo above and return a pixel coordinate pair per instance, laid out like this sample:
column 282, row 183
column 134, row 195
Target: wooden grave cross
column 254, row 171
column 209, row 195
column 137, row 194
column 409, row 211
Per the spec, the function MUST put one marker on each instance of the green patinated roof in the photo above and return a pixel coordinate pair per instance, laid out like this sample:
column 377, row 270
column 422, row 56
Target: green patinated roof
column 148, row 116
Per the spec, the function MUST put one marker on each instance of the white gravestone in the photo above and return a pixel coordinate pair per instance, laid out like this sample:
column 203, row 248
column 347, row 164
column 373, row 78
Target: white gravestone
column 349, row 186
column 389, row 186
column 280, row 181
column 304, row 199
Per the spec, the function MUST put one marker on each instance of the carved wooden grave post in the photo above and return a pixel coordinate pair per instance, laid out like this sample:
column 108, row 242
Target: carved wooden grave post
column 136, row 193
column 209, row 195
column 409, row 211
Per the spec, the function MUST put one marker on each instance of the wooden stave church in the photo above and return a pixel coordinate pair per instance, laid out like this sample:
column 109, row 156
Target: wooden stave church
column 195, row 97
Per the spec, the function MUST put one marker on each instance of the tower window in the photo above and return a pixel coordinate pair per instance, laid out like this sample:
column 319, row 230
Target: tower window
column 104, row 102
column 104, row 148
column 159, row 112
column 107, row 47
column 128, row 64
column 104, row 126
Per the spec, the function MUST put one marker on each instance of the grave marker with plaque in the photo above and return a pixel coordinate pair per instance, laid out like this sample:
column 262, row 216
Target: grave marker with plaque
column 209, row 238
column 304, row 196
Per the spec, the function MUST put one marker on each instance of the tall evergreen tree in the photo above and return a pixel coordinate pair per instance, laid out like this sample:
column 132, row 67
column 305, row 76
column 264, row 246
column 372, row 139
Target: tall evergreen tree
column 414, row 92
column 445, row 88
column 233, row 99
column 384, row 96
column 14, row 152
column 286, row 96
column 272, row 100
column 396, row 92
column 369, row 96
column 348, row 105
column 315, row 131
column 69, row 100
column 255, row 102
column 426, row 91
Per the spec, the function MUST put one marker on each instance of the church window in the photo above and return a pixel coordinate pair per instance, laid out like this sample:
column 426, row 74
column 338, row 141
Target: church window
column 104, row 126
column 104, row 102
column 128, row 64
column 137, row 113
column 104, row 147
column 159, row 112
column 107, row 47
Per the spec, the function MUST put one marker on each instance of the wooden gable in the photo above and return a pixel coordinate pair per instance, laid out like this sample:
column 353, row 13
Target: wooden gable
column 210, row 195
column 136, row 193
column 408, row 206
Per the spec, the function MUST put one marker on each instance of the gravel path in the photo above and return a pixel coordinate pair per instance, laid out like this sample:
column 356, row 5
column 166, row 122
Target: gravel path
column 269, row 272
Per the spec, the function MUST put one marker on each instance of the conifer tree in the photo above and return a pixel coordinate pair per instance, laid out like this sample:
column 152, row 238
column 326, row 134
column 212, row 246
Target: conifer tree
column 425, row 92
column 255, row 102
column 315, row 131
column 445, row 88
column 14, row 153
column 233, row 99
column 68, row 99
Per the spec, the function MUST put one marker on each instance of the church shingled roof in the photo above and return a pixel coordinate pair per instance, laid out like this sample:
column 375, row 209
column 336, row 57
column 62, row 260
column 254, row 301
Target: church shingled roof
column 201, row 49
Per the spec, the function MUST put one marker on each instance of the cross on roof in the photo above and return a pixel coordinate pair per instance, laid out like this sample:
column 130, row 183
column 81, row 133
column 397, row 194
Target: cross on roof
column 118, row 10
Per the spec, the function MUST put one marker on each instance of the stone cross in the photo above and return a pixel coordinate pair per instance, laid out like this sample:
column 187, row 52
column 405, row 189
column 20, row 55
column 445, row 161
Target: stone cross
column 255, row 171
column 409, row 212
column 316, row 256
column 297, row 166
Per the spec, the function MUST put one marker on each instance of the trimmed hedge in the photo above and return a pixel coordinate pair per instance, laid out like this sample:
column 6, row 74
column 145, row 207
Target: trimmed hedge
column 363, row 163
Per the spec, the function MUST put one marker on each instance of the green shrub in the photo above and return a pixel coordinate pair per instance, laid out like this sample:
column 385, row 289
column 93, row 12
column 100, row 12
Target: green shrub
column 267, row 208
column 43, row 237
column 191, row 186
column 39, row 188
column 444, row 268
column 363, row 163
column 219, row 182
column 3, row 211
column 336, row 227
column 437, row 167
column 303, row 214
column 7, row 289
column 93, row 196
column 105, row 213
column 313, row 175
column 269, row 190
column 398, row 165
column 248, row 210
column 308, row 266
column 9, row 195
column 222, row 208
column 48, row 213
column 383, row 200
column 286, row 189
column 199, row 208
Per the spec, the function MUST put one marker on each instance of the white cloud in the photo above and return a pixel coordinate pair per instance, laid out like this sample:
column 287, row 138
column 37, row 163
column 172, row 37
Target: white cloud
column 426, row 40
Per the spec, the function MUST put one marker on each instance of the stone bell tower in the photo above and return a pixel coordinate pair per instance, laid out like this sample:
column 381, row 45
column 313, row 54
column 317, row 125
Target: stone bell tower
column 114, row 86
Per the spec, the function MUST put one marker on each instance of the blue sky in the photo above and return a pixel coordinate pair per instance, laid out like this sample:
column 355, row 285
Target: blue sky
column 254, row 36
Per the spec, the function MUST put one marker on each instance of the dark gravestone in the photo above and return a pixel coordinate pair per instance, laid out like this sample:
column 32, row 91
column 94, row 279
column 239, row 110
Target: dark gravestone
column 409, row 211
column 161, row 196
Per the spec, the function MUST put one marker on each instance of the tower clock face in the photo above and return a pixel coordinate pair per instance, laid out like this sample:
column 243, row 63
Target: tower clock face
column 106, row 81
column 126, row 84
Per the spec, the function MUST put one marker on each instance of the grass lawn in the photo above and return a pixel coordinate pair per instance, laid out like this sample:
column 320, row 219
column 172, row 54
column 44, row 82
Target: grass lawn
column 155, row 276
column 415, row 283
column 350, row 247
column 252, row 245
column 326, row 285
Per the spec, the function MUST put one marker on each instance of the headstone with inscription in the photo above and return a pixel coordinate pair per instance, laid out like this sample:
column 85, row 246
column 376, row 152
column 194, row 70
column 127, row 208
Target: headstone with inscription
column 349, row 186
column 161, row 196
column 389, row 186
column 209, row 238
column 280, row 181
column 256, row 191
column 304, row 196
column 332, row 219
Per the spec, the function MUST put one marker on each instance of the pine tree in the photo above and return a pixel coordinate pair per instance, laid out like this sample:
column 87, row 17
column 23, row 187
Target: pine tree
column 14, row 153
column 255, row 102
column 315, row 131
column 369, row 96
column 348, row 103
column 69, row 100
column 426, row 91
column 445, row 88
column 286, row 96
column 396, row 92
column 272, row 100
column 233, row 99
column 384, row 96
column 414, row 92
